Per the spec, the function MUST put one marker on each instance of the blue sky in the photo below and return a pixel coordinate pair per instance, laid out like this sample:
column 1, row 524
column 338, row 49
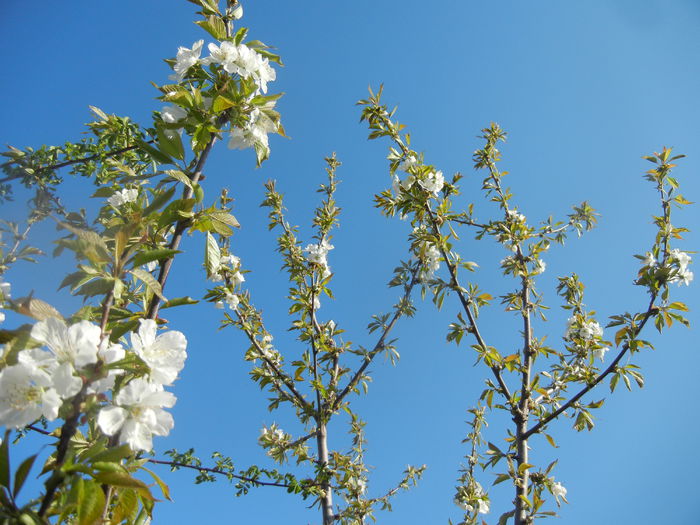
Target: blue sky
column 584, row 91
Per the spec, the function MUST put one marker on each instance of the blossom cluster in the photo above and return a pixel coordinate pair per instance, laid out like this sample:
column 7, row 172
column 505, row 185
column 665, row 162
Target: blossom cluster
column 121, row 197
column 589, row 332
column 473, row 498
column 433, row 182
column 318, row 254
column 235, row 59
column 678, row 264
column 75, row 359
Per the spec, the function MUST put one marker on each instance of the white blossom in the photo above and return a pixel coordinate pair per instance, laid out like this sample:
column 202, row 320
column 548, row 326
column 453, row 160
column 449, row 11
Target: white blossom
column 237, row 12
column 185, row 59
column 433, row 183
column 172, row 114
column 318, row 254
column 121, row 197
column 588, row 330
column 254, row 132
column 232, row 300
column 5, row 289
column 591, row 330
column 26, row 394
column 431, row 262
column 71, row 348
column 409, row 162
column 540, row 267
column 243, row 61
column 682, row 259
column 164, row 354
column 396, row 185
column 558, row 491
column 599, row 353
column 408, row 182
column 108, row 353
column 515, row 216
column 649, row 260
column 138, row 415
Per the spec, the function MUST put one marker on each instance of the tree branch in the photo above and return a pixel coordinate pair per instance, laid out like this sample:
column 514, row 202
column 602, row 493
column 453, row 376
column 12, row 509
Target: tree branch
column 66, row 163
column 467, row 308
column 597, row 380
column 176, row 465
column 377, row 347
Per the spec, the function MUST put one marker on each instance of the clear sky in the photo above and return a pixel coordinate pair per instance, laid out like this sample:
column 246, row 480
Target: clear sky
column 584, row 90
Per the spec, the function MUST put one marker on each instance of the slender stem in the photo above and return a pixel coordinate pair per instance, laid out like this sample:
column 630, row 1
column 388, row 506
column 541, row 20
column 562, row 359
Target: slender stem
column 303, row 403
column 66, row 163
column 177, row 464
column 522, row 484
column 377, row 347
column 611, row 368
column 467, row 308
column 182, row 224
column 327, row 498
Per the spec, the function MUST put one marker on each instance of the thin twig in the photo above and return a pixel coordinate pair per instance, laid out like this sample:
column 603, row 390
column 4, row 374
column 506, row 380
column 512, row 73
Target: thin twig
column 177, row 464
column 377, row 347
column 597, row 380
column 467, row 308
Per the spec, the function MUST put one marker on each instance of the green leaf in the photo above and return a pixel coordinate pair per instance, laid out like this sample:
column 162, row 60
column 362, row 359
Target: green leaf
column 225, row 217
column 120, row 479
column 155, row 153
column 149, row 281
column 178, row 301
column 170, row 143
column 113, row 454
column 91, row 503
column 153, row 255
column 212, row 255
column 180, row 176
column 221, row 103
column 5, row 461
column 551, row 440
column 214, row 26
column 22, row 473
column 163, row 487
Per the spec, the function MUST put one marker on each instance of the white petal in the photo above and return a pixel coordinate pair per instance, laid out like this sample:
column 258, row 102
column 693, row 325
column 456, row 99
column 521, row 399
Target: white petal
column 111, row 419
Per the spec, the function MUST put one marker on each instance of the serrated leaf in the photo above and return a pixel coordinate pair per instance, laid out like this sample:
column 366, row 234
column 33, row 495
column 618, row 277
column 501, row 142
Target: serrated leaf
column 179, row 176
column 153, row 255
column 221, row 103
column 37, row 309
column 170, row 143
column 22, row 473
column 212, row 255
column 91, row 503
column 178, row 301
column 113, row 454
column 120, row 479
column 214, row 26
column 149, row 281
column 163, row 487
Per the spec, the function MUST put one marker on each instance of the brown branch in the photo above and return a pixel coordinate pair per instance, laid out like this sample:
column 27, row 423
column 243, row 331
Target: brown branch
column 182, row 224
column 176, row 464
